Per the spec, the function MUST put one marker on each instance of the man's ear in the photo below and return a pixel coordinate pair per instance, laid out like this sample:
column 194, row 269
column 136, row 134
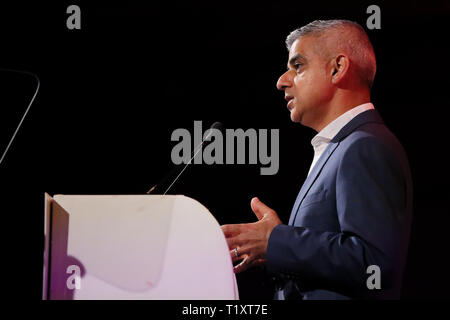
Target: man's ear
column 340, row 65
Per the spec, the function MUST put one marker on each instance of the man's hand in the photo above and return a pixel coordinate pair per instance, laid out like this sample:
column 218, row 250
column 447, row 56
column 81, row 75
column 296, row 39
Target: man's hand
column 248, row 242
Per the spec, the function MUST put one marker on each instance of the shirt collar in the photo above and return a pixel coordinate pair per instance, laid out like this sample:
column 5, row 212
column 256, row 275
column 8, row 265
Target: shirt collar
column 326, row 134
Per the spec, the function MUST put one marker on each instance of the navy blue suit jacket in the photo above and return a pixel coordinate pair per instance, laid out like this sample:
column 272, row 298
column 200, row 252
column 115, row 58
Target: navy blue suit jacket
column 354, row 210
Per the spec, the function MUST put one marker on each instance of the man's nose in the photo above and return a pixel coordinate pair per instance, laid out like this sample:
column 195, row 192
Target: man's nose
column 284, row 81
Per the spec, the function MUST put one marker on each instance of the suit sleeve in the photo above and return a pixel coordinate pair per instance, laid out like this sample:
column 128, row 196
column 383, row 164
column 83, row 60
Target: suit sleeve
column 370, row 204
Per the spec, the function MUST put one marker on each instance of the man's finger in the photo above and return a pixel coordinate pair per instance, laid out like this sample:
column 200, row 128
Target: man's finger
column 248, row 263
column 230, row 230
column 242, row 252
column 241, row 266
column 259, row 208
column 259, row 262
column 239, row 257
column 233, row 242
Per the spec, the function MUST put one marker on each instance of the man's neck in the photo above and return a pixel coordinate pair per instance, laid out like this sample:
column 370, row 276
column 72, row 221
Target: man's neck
column 339, row 105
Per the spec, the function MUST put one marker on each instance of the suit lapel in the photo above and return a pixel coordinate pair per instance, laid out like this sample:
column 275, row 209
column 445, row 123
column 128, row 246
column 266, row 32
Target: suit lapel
column 311, row 178
column 360, row 119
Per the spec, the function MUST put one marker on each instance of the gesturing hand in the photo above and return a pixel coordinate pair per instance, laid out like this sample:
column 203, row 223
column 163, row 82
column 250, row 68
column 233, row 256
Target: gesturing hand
column 248, row 242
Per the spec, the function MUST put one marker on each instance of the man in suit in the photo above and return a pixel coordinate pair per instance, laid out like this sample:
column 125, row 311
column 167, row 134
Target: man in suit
column 353, row 212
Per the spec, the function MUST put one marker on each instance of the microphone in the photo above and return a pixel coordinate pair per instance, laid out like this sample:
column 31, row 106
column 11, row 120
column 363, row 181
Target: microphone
column 38, row 84
column 215, row 125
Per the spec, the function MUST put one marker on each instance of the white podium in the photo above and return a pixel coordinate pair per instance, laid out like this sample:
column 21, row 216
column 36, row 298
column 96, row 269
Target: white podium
column 134, row 247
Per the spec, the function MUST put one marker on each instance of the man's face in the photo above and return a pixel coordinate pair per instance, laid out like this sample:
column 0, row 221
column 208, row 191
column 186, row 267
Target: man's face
column 307, row 82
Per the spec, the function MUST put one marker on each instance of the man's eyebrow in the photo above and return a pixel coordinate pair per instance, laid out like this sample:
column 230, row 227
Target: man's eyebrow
column 294, row 58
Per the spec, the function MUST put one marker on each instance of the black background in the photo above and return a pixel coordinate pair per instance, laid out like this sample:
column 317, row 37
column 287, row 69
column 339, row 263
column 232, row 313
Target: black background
column 113, row 92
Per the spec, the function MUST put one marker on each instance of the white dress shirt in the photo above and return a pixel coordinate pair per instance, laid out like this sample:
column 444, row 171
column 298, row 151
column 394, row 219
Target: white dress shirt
column 323, row 138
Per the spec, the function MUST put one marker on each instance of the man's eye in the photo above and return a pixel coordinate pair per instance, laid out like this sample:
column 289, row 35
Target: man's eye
column 297, row 66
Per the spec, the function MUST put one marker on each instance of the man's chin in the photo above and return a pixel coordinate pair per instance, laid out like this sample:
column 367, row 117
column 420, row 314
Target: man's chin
column 295, row 117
